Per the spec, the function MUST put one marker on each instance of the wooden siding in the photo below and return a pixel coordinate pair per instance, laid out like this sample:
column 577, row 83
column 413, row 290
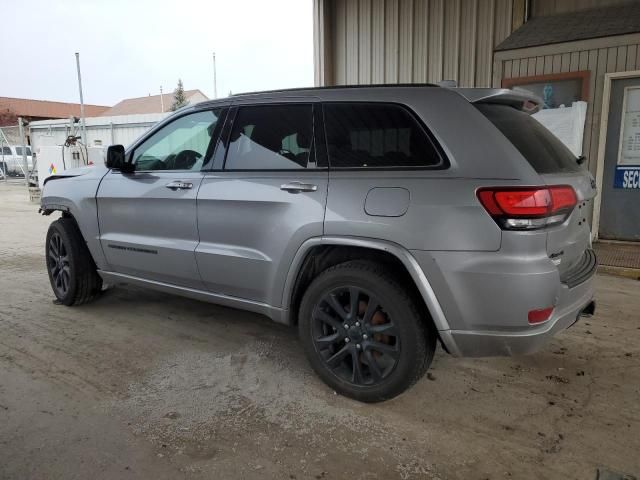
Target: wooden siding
column 410, row 41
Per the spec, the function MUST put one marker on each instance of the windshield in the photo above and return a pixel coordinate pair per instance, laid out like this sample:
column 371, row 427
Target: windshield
column 542, row 149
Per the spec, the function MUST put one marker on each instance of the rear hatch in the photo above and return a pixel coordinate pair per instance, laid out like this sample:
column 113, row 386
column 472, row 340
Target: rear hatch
column 568, row 244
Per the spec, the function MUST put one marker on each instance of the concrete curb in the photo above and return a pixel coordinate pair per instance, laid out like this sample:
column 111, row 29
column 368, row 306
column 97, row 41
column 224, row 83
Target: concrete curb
column 633, row 273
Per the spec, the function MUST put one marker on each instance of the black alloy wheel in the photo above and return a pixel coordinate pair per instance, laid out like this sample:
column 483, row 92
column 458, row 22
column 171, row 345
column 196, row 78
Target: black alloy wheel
column 363, row 331
column 58, row 264
column 355, row 336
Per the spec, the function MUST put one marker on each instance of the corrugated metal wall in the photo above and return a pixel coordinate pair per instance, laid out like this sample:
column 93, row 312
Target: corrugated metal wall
column 599, row 56
column 414, row 41
column 401, row 41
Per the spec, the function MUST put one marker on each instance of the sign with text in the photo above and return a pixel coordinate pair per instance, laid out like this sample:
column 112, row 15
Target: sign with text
column 627, row 173
column 627, row 177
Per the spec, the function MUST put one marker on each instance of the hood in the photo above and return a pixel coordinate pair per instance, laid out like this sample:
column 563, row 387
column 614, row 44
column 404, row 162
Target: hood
column 90, row 170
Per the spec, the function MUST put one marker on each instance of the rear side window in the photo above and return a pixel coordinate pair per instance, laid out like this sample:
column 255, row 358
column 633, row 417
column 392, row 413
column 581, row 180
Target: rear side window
column 271, row 137
column 376, row 136
column 6, row 151
column 542, row 149
column 19, row 151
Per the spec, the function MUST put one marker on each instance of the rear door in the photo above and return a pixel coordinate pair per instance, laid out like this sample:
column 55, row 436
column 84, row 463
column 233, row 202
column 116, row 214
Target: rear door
column 255, row 213
column 148, row 225
column 566, row 243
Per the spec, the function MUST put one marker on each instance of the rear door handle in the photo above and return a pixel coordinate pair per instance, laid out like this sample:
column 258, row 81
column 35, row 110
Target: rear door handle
column 297, row 187
column 179, row 185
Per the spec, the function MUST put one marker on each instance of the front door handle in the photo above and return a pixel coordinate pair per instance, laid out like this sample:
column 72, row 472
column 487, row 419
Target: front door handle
column 297, row 187
column 179, row 185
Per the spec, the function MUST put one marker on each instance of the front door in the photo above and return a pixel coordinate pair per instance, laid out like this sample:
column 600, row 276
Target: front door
column 254, row 214
column 147, row 219
column 620, row 209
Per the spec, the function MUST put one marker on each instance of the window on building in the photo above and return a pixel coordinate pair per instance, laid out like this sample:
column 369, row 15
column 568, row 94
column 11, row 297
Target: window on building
column 376, row 135
column 271, row 137
column 556, row 89
column 181, row 145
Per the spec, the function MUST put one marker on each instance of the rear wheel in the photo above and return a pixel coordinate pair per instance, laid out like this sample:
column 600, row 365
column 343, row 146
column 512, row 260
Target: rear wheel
column 363, row 333
column 72, row 273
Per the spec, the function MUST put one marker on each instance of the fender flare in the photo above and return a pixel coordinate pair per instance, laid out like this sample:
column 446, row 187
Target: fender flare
column 402, row 254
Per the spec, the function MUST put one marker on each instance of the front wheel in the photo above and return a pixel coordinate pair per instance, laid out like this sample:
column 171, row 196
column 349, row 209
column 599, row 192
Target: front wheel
column 362, row 332
column 71, row 269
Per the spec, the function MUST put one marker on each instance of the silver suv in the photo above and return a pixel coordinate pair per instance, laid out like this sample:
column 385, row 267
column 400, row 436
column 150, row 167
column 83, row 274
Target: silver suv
column 377, row 220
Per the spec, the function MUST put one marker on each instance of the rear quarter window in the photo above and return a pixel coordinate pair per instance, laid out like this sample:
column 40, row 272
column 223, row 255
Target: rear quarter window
column 377, row 135
column 541, row 148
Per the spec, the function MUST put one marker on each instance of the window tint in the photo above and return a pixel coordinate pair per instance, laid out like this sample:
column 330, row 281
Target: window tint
column 376, row 135
column 542, row 149
column 180, row 145
column 19, row 151
column 271, row 137
column 6, row 151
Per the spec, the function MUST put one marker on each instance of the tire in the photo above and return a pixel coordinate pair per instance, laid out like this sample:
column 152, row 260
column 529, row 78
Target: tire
column 71, row 269
column 386, row 348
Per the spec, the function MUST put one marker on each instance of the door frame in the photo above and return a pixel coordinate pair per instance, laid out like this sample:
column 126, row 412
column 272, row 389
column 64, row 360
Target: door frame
column 602, row 141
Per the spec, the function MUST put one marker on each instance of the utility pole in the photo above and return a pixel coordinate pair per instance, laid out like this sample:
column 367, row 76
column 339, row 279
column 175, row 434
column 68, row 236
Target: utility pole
column 25, row 165
column 82, row 123
column 215, row 83
column 161, row 99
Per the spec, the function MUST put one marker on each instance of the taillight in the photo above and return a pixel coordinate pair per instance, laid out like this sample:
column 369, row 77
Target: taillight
column 528, row 208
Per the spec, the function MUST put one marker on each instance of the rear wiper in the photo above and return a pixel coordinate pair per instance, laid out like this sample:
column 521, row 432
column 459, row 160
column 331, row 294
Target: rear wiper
column 581, row 159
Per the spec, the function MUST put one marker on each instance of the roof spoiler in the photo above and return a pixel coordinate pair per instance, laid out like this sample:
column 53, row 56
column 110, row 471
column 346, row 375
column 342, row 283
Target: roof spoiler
column 517, row 98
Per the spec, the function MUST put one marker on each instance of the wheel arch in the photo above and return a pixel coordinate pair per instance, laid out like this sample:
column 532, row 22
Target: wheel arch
column 84, row 215
column 320, row 253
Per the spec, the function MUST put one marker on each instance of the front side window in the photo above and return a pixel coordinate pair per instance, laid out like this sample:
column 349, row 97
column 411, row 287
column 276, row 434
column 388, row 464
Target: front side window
column 6, row 151
column 181, row 145
column 271, row 137
column 376, row 135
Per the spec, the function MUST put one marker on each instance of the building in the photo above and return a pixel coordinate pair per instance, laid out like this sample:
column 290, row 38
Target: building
column 12, row 108
column 151, row 103
column 581, row 49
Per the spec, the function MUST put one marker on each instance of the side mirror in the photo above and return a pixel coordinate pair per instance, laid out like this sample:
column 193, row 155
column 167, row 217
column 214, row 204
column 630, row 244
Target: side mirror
column 116, row 159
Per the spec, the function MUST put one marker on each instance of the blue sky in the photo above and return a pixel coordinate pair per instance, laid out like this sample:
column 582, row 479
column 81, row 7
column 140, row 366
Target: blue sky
column 130, row 48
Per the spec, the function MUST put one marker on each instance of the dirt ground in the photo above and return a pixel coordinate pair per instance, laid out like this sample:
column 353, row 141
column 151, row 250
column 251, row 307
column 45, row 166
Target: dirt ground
column 144, row 385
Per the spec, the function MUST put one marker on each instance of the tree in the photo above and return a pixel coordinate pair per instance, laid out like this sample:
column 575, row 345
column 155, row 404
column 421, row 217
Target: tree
column 179, row 99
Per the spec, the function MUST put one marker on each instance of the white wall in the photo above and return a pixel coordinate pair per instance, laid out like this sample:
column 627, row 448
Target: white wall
column 121, row 129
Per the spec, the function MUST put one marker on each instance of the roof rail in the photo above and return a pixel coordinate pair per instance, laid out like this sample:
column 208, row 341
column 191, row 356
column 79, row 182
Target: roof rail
column 338, row 87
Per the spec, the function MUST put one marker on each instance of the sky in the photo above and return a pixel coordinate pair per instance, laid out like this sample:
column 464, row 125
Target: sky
column 131, row 48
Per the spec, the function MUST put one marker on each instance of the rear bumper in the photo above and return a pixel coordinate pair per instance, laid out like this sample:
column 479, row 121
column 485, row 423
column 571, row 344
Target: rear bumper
column 573, row 303
column 486, row 296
